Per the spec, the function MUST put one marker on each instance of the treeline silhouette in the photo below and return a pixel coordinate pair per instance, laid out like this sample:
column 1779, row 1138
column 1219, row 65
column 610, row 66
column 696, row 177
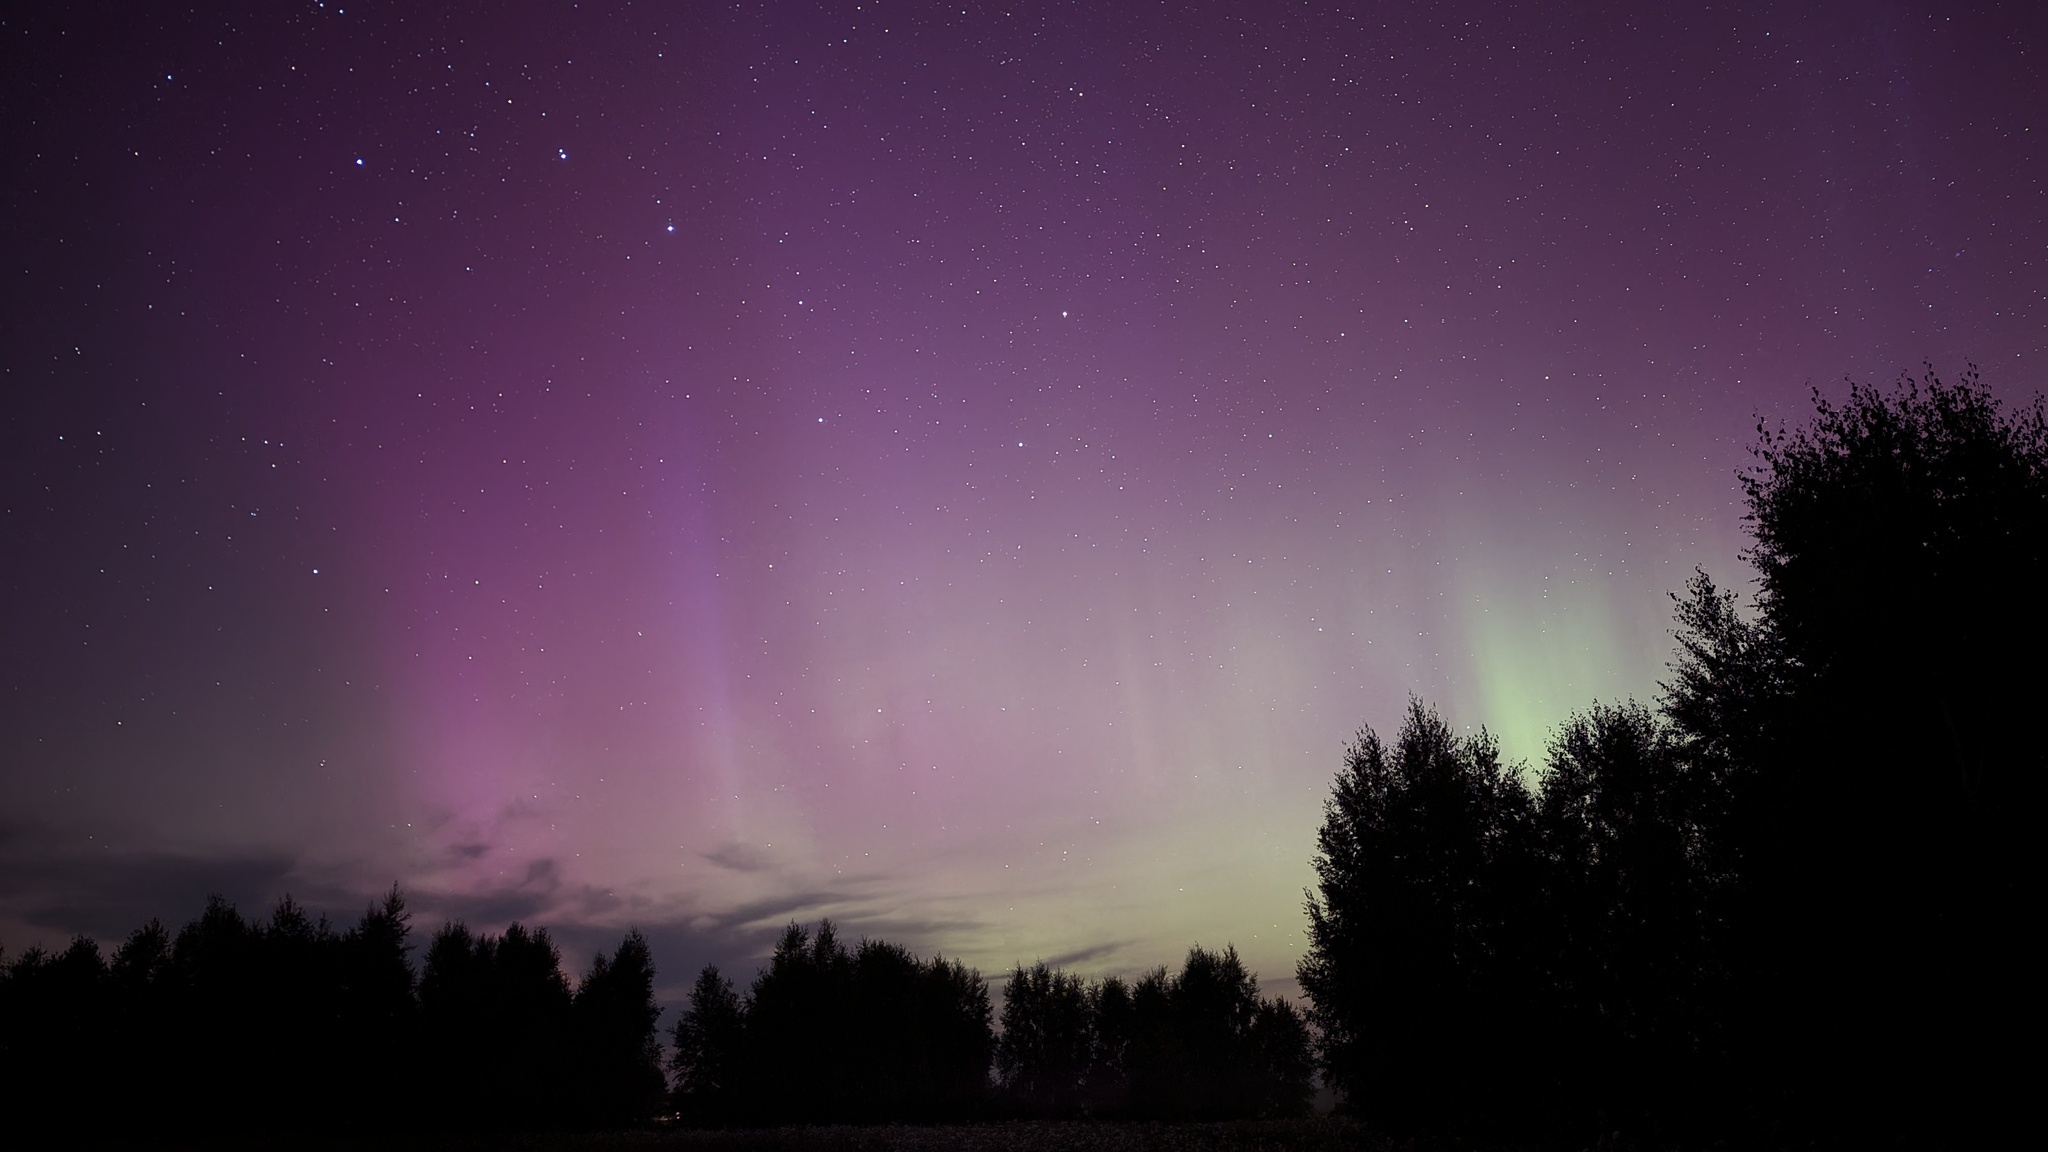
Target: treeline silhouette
column 828, row 1033
column 287, row 1024
column 873, row 1033
column 1198, row 1045
column 1790, row 901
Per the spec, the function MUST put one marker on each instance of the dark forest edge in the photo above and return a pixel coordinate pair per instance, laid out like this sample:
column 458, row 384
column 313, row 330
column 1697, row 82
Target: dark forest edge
column 1787, row 905
column 287, row 1024
column 1784, row 905
column 873, row 1033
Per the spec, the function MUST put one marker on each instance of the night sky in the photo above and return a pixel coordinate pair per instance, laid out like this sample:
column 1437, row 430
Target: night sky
column 965, row 473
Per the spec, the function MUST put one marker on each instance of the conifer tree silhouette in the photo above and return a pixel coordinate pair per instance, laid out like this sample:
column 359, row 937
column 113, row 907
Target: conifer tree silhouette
column 286, row 998
column 376, row 1027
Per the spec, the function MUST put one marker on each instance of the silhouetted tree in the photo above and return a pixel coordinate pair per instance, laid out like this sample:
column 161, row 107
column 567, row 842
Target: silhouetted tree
column 1794, row 900
column 1878, row 787
column 1419, row 966
column 1281, row 1067
column 922, row 1035
column 53, row 1035
column 828, row 1034
column 1202, row 1044
column 884, row 1059
column 796, row 1027
column 313, row 1029
column 1114, row 1015
column 454, row 1001
column 1150, row 1067
column 376, row 1027
column 956, row 1015
column 1048, row 1045
column 912, row 1026
column 1210, row 1008
column 142, row 1004
column 616, row 1062
column 264, row 1006
column 217, row 1017
column 289, row 997
column 495, row 1012
column 1206, row 1046
column 710, row 1040
column 1629, row 943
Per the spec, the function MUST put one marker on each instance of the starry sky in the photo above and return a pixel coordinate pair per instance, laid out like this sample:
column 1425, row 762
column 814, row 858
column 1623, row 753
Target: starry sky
column 963, row 472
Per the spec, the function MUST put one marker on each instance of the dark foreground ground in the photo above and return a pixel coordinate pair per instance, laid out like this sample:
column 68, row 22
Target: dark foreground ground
column 1323, row 1134
column 1020, row 1136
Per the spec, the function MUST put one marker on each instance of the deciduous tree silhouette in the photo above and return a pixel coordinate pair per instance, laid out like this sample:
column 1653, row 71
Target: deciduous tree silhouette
column 1114, row 1013
column 1208, row 1047
column 1280, row 1069
column 796, row 1025
column 53, row 1033
column 918, row 1042
column 495, row 1011
column 1048, row 1045
column 1881, row 781
column 1792, row 900
column 143, row 991
column 1626, row 937
column 1419, row 964
column 616, row 1062
column 1202, row 1044
column 710, row 1049
column 829, row 1034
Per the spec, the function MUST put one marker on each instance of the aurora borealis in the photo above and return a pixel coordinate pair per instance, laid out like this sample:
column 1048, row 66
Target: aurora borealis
column 962, row 473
